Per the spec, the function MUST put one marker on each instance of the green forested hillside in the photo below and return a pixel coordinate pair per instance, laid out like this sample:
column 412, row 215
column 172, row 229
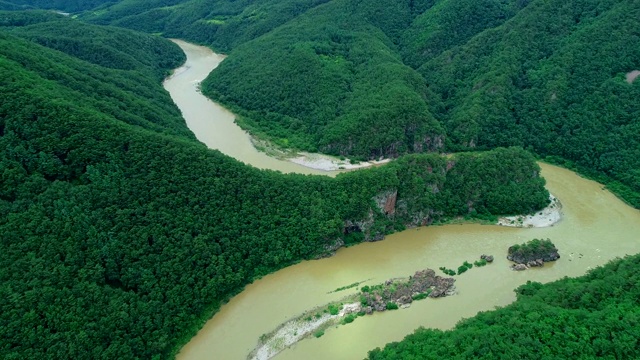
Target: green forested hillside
column 113, row 48
column 130, row 96
column 369, row 79
column 346, row 90
column 121, row 234
column 591, row 317
column 60, row 5
column 551, row 79
column 221, row 24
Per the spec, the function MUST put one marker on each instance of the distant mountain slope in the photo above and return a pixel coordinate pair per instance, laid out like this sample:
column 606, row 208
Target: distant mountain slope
column 62, row 5
column 223, row 24
column 113, row 48
column 332, row 82
column 97, row 87
column 551, row 79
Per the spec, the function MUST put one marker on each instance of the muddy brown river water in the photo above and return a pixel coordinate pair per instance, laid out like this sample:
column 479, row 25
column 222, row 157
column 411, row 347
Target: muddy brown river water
column 211, row 123
column 595, row 228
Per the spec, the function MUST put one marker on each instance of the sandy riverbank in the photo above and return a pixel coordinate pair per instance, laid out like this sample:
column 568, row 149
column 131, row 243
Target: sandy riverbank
column 543, row 218
column 329, row 163
column 314, row 161
column 297, row 329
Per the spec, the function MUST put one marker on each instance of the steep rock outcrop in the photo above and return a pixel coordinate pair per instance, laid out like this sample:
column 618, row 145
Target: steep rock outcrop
column 330, row 248
column 417, row 190
column 364, row 226
column 386, row 202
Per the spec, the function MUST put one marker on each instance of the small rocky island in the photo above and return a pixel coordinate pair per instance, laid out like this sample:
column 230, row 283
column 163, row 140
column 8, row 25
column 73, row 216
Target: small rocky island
column 532, row 253
column 396, row 293
column 391, row 295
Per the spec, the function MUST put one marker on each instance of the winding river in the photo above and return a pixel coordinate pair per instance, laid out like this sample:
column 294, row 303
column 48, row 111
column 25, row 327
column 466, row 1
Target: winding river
column 595, row 228
column 212, row 124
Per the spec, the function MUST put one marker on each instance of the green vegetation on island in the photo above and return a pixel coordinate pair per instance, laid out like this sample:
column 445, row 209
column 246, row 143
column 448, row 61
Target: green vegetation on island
column 393, row 294
column 399, row 292
column 346, row 287
column 533, row 250
column 466, row 266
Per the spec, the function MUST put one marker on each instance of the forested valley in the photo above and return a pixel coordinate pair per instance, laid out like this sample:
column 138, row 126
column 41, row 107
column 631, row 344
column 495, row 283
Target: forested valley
column 121, row 234
column 367, row 79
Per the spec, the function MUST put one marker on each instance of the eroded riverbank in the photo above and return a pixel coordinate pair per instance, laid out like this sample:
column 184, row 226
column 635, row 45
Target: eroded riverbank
column 548, row 216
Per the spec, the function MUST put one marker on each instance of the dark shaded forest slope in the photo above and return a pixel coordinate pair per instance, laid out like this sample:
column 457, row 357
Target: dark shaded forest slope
column 58, row 5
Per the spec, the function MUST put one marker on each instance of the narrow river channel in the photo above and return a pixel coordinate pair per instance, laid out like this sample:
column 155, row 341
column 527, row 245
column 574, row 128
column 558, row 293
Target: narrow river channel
column 595, row 228
column 212, row 124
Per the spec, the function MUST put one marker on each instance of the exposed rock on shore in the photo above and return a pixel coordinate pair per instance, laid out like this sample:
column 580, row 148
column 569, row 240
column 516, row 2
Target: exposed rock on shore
column 331, row 248
column 519, row 267
column 400, row 292
column 330, row 163
column 392, row 294
column 543, row 218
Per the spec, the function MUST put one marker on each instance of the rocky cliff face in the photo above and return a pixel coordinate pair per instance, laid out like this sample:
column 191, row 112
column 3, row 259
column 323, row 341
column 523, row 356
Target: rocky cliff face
column 388, row 206
column 386, row 202
column 366, row 227
column 429, row 143
column 330, row 248
column 417, row 190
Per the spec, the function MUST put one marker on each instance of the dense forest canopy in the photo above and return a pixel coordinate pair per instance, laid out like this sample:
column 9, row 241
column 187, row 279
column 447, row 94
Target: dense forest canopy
column 369, row 79
column 121, row 234
column 114, row 48
column 594, row 316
